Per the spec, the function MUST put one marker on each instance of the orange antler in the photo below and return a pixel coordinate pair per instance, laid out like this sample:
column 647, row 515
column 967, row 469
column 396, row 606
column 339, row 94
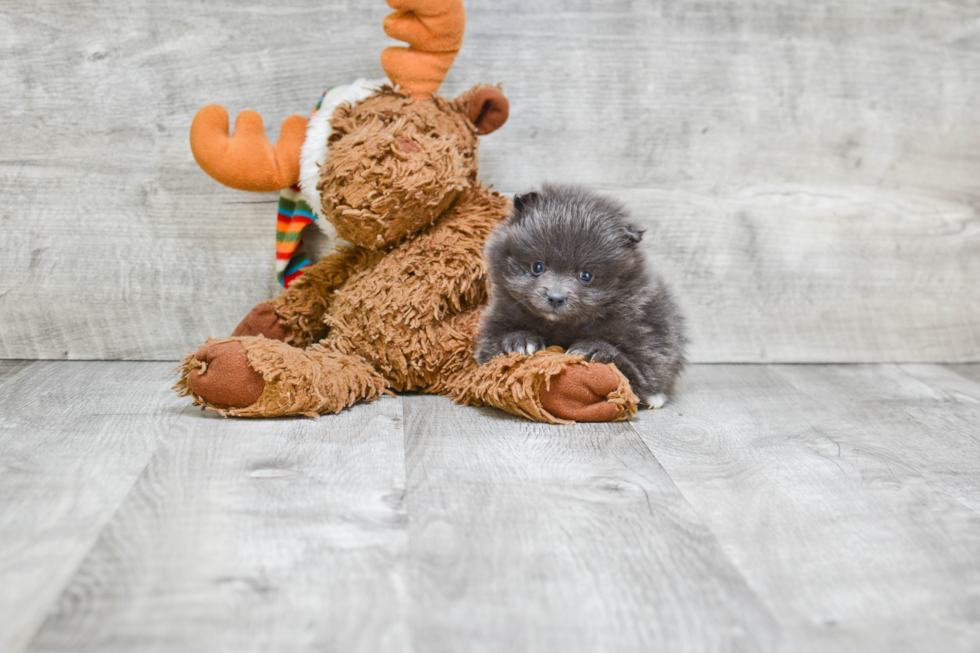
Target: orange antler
column 434, row 31
column 247, row 160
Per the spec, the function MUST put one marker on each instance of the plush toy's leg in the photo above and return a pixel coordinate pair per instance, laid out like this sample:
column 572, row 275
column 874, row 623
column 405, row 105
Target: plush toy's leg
column 550, row 386
column 296, row 316
column 259, row 377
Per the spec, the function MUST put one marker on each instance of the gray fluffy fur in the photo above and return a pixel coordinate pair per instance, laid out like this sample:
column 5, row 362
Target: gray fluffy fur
column 624, row 315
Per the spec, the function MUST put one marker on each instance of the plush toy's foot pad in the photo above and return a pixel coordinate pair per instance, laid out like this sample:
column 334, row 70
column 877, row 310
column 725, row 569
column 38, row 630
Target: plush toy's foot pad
column 263, row 321
column 223, row 376
column 580, row 393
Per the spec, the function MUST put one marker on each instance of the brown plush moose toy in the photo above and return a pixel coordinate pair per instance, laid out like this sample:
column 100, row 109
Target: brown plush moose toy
column 393, row 168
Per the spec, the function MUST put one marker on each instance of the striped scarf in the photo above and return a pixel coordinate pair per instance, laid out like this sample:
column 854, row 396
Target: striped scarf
column 294, row 214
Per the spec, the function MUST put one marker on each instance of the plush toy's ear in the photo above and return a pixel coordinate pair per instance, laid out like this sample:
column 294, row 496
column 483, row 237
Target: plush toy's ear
column 486, row 107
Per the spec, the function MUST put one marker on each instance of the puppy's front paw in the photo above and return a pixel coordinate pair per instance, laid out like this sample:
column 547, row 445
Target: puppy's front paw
column 656, row 400
column 522, row 342
column 598, row 351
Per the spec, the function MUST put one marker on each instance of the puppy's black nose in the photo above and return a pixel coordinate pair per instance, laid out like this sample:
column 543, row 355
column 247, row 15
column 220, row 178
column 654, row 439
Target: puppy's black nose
column 556, row 299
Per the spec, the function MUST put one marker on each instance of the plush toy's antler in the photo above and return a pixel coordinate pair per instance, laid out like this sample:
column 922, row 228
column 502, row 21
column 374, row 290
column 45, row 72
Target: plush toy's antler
column 247, row 160
column 434, row 31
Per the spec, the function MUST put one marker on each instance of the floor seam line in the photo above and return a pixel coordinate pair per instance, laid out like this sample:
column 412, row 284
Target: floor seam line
column 109, row 519
column 714, row 536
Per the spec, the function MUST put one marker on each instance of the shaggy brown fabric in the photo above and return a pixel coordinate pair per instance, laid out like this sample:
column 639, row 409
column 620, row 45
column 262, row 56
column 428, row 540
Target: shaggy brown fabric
column 421, row 184
column 515, row 383
column 282, row 380
column 399, row 308
column 397, row 313
column 303, row 306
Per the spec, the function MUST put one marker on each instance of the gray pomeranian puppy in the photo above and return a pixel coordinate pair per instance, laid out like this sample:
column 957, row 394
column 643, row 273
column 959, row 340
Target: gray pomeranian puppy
column 565, row 269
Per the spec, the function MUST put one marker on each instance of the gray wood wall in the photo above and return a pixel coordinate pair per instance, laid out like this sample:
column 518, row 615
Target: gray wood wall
column 808, row 172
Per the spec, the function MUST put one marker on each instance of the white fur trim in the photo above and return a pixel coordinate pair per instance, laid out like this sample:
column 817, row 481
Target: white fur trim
column 314, row 153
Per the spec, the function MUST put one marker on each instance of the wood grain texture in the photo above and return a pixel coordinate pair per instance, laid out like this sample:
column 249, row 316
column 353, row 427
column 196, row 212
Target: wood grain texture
column 837, row 492
column 11, row 368
column 805, row 274
column 807, row 172
column 971, row 372
column 74, row 437
column 527, row 537
column 792, row 508
column 917, row 417
column 115, row 245
column 252, row 535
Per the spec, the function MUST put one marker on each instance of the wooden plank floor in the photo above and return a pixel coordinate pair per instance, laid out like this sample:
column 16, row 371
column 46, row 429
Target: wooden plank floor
column 790, row 508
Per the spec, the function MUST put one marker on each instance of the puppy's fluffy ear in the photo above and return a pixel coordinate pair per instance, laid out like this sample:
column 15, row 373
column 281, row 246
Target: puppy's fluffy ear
column 633, row 234
column 522, row 203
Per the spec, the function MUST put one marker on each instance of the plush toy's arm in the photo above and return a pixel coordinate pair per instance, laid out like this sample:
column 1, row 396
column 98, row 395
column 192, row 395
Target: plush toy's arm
column 301, row 308
column 550, row 386
column 247, row 160
column 444, row 265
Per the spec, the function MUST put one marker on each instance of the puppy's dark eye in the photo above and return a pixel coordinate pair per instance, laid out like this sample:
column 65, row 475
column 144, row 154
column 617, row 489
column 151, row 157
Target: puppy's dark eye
column 537, row 268
column 585, row 276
